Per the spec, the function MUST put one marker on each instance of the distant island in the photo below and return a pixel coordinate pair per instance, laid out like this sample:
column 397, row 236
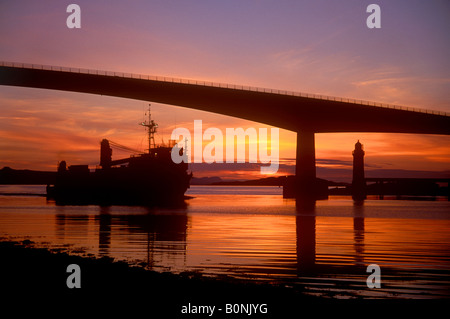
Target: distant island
column 9, row 176
column 205, row 180
column 401, row 186
column 215, row 180
column 266, row 181
column 30, row 177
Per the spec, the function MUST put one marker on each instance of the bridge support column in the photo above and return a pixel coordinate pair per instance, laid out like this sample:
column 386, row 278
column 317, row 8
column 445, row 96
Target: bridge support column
column 305, row 166
column 304, row 186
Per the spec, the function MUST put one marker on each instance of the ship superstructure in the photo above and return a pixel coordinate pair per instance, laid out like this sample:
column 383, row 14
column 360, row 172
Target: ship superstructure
column 144, row 179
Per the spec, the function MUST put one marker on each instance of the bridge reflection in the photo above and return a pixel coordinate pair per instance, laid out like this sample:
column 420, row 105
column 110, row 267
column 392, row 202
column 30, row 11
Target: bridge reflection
column 165, row 235
column 306, row 236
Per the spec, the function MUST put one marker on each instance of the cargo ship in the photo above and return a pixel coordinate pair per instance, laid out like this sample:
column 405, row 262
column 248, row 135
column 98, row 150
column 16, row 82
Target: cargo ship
column 149, row 178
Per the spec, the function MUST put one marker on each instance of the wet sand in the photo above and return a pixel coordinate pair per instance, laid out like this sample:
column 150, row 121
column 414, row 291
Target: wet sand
column 39, row 275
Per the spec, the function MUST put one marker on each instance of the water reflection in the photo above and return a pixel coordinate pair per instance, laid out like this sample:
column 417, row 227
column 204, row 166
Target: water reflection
column 256, row 237
column 358, row 231
column 306, row 236
column 104, row 220
column 163, row 234
column 166, row 234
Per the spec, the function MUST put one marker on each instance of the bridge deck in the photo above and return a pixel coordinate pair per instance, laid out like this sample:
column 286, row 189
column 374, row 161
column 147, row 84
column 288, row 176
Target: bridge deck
column 288, row 110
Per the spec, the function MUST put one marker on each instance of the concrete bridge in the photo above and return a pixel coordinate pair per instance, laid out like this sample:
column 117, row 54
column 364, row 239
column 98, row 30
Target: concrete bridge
column 305, row 114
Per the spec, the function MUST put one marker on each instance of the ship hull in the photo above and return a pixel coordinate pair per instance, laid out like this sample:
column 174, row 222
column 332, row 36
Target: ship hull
column 145, row 181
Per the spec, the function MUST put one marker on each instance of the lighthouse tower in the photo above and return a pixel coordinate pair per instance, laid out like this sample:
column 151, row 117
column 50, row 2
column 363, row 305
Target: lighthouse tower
column 358, row 183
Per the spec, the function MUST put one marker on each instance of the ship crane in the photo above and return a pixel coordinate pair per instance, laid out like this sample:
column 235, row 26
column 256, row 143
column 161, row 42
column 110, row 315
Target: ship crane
column 151, row 130
column 106, row 145
column 123, row 148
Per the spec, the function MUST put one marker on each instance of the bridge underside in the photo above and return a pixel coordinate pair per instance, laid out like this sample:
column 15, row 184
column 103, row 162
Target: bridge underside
column 303, row 115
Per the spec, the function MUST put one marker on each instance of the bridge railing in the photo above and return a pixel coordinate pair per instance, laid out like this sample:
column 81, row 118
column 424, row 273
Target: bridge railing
column 215, row 84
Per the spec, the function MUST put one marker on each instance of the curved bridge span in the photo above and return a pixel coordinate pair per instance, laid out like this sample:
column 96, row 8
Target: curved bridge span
column 305, row 114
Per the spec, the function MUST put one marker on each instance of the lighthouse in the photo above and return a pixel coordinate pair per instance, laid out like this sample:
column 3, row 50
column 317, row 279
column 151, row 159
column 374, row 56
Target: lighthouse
column 358, row 182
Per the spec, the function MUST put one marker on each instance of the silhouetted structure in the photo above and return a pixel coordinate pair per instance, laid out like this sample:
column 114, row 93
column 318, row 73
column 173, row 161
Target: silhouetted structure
column 105, row 154
column 358, row 182
column 305, row 114
column 305, row 191
column 146, row 179
column 410, row 187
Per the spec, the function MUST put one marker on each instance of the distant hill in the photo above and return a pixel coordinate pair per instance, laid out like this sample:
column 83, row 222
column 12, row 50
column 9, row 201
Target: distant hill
column 267, row 181
column 205, row 180
column 26, row 177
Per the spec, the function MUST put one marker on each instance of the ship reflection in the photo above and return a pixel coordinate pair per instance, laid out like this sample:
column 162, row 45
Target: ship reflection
column 166, row 236
column 162, row 233
column 104, row 236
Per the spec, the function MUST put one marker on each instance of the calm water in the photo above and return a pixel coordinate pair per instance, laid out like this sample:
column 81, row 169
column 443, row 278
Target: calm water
column 253, row 233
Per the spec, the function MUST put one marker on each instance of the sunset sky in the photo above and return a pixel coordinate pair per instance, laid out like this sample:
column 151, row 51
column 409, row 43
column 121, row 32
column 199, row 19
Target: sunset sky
column 321, row 47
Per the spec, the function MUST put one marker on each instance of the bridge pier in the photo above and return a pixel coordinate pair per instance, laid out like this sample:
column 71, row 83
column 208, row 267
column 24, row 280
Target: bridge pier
column 305, row 166
column 304, row 186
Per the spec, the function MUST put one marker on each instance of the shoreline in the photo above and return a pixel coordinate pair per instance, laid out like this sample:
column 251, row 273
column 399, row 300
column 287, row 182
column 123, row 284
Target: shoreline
column 41, row 274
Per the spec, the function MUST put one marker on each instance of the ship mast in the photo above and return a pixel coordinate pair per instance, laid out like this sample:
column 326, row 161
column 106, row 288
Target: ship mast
column 151, row 130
